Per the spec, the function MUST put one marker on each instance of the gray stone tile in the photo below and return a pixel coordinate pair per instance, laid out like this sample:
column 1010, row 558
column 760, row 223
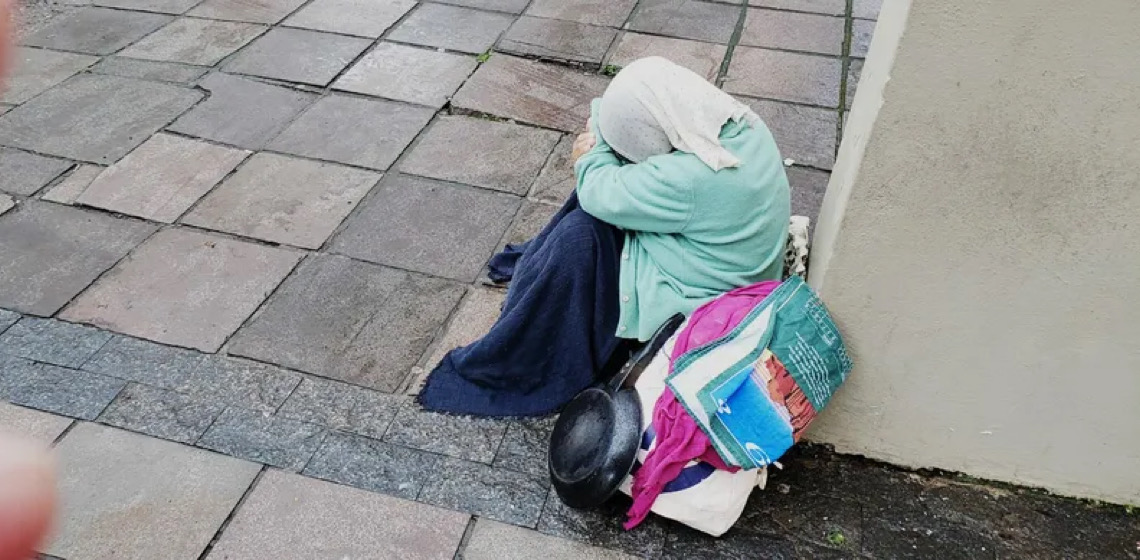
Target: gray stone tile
column 827, row 7
column 23, row 173
column 241, row 111
column 6, row 203
column 854, row 71
column 785, row 76
column 297, row 55
column 411, row 74
column 7, row 319
column 805, row 134
column 366, row 18
column 702, row 58
column 34, row 71
column 452, row 28
column 342, row 407
column 557, row 39
column 94, row 117
column 51, row 253
column 808, row 187
column 160, row 413
column 602, row 527
column 284, row 200
column 687, row 19
column 491, row 540
column 609, row 13
column 194, row 41
column 94, row 30
column 531, row 219
column 531, row 92
column 474, row 318
column 71, row 186
column 373, row 465
column 525, row 447
column 37, row 426
column 525, row 147
column 428, row 226
column 556, row 180
column 145, row 362
column 125, row 495
column 254, row 11
column 290, row 516
column 509, row 6
column 349, row 320
column 485, row 491
column 794, row 31
column 365, row 132
column 258, row 437
column 474, row 439
column 149, row 70
column 196, row 301
column 162, row 178
column 866, row 9
column 69, row 392
column 237, row 382
column 53, row 342
column 861, row 33
column 160, row 6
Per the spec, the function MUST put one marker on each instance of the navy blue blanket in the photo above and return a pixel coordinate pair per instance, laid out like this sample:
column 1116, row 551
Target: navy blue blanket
column 556, row 331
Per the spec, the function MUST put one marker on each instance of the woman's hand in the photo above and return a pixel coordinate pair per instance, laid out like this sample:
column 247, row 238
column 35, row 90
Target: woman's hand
column 585, row 142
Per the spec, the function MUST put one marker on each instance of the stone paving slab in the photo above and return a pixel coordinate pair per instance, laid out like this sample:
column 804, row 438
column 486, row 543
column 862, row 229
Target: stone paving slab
column 256, row 11
column 6, row 203
column 95, row 118
column 805, row 134
column 194, row 41
column 687, row 19
column 793, row 31
column 37, row 426
column 853, row 72
column 473, row 439
column 861, row 33
column 866, row 9
column 531, row 219
column 161, row 6
column 703, row 58
column 160, row 413
column 297, row 55
column 491, row 493
column 808, row 187
column 365, row 18
column 149, row 70
column 525, row 446
column 241, row 111
column 404, row 73
column 473, row 319
column 609, row 13
column 36, row 70
column 162, row 178
column 452, row 28
column 73, row 184
column 7, row 318
column 785, row 76
column 508, row 6
column 341, row 406
column 372, row 465
column 145, row 362
column 556, row 180
column 254, row 436
column 491, row 540
column 237, row 382
column 52, row 342
column 827, row 7
column 25, row 173
column 51, row 253
column 289, row 516
column 49, row 388
column 93, row 30
column 557, row 39
column 602, row 528
column 125, row 496
column 195, row 300
column 525, row 147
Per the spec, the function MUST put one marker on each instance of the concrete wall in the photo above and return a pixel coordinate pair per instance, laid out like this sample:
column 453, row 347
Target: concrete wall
column 979, row 244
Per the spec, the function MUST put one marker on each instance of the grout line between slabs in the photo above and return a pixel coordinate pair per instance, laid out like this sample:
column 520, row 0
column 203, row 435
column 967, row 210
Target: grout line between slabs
column 233, row 512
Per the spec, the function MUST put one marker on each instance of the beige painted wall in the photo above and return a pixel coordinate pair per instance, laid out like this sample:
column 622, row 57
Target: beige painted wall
column 980, row 245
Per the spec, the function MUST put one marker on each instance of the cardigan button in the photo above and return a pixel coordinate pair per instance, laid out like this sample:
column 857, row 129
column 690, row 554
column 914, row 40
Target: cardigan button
column 625, row 299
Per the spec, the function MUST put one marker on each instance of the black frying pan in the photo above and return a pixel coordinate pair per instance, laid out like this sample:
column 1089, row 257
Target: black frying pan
column 595, row 439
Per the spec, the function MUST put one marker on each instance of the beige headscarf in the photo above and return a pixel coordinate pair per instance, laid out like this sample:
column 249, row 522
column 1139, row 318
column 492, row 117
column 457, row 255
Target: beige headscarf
column 654, row 106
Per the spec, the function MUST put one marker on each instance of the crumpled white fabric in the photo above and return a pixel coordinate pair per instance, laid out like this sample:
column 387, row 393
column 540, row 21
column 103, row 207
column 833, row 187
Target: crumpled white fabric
column 654, row 106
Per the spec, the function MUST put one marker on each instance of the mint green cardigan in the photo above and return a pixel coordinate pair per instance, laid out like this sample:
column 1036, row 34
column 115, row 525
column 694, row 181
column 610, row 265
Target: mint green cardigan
column 691, row 233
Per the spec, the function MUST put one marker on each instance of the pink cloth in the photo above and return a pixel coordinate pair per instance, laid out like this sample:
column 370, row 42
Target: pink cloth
column 679, row 439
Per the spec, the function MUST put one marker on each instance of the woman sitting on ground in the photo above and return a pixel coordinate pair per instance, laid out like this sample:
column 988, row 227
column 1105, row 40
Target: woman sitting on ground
column 681, row 196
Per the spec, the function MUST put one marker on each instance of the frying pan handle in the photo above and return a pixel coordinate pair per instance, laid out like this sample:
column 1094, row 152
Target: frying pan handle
column 639, row 361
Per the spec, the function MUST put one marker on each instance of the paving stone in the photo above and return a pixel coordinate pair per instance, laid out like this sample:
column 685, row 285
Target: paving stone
column 866, row 9
column 687, row 19
column 160, row 6
column 297, row 55
column 525, row 147
column 485, row 491
column 51, row 253
column 509, row 6
column 6, row 203
column 428, row 226
column 602, row 527
column 342, row 407
column 34, row 71
column 349, row 320
column 794, row 31
column 531, row 92
column 827, row 7
column 37, row 426
column 409, row 74
column 255, row 436
column 194, row 41
column 365, row 132
column 805, row 134
column 367, row 18
column 160, row 413
column 785, row 76
column 125, row 495
column 465, row 437
column 474, row 318
column 284, row 200
column 23, row 173
column 556, row 181
column 69, row 392
column 237, row 382
column 194, row 301
column 702, row 58
column 491, row 540
column 145, row 362
column 5, row 108
column 683, row 543
column 53, row 342
column 254, row 11
column 531, row 219
column 7, row 318
column 241, row 111
column 452, row 28
column 808, row 187
column 149, row 70
column 73, row 185
column 557, row 39
column 290, row 516
column 525, row 446
column 372, row 465
column 609, row 13
column 861, row 33
column 854, row 70
column 94, row 117
column 94, row 30
column 162, row 178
